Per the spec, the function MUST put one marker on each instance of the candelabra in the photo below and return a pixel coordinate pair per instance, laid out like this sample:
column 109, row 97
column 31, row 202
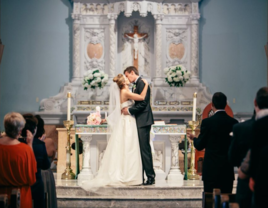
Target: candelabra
column 68, row 173
column 192, row 171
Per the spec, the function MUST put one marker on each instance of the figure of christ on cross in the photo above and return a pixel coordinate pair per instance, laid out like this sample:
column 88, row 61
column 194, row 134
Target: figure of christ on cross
column 136, row 36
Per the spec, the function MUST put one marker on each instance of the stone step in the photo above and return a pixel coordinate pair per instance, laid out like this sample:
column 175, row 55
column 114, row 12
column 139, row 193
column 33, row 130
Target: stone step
column 102, row 202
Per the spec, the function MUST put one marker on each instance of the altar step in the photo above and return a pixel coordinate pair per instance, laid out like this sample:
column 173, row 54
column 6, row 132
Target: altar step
column 188, row 194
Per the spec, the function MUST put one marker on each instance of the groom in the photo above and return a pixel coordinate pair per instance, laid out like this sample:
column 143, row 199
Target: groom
column 144, row 118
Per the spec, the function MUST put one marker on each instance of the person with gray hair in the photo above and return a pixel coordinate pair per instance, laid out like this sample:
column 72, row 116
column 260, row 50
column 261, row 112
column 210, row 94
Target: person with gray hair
column 17, row 160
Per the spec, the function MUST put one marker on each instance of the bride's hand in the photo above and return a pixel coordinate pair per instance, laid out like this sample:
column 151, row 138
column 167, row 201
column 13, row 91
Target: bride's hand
column 145, row 81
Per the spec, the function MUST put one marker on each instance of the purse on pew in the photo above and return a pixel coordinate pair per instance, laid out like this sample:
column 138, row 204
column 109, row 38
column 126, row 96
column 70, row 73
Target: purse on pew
column 3, row 201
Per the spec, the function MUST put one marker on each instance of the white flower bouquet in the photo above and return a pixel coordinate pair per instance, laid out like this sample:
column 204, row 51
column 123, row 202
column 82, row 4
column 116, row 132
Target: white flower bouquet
column 95, row 78
column 94, row 118
column 177, row 76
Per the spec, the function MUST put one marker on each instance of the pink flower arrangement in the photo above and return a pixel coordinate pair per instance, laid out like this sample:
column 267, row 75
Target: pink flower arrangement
column 94, row 119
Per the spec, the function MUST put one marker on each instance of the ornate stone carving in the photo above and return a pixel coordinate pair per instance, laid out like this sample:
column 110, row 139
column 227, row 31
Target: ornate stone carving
column 175, row 169
column 94, row 36
column 76, row 16
column 176, row 36
column 112, row 31
column 194, row 45
column 158, row 44
column 149, row 7
column 175, row 9
column 94, row 64
column 195, row 8
column 122, row 7
column 136, row 7
column 76, row 50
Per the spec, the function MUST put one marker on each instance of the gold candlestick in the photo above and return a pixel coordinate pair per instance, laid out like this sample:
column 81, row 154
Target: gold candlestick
column 192, row 171
column 68, row 173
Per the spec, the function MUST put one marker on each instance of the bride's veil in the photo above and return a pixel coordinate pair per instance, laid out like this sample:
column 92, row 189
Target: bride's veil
column 114, row 107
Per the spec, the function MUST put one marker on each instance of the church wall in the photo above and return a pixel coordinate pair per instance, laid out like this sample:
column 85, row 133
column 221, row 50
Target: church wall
column 232, row 56
column 38, row 45
column 37, row 55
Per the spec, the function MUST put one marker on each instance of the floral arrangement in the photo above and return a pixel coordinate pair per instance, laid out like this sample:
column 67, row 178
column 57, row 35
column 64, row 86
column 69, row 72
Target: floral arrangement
column 95, row 78
column 177, row 76
column 94, row 118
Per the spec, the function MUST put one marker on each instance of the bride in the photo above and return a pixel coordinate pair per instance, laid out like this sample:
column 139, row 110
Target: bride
column 121, row 164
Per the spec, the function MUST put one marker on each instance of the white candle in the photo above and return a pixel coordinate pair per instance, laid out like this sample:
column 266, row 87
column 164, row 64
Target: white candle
column 105, row 114
column 69, row 106
column 194, row 106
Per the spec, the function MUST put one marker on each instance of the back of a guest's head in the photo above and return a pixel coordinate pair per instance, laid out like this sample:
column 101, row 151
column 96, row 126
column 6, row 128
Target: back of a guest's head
column 40, row 126
column 219, row 100
column 31, row 124
column 13, row 123
column 130, row 69
column 262, row 98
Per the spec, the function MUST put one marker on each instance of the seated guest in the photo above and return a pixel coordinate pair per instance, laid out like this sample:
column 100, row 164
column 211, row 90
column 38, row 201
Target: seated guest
column 47, row 175
column 42, row 160
column 17, row 160
column 215, row 138
column 242, row 135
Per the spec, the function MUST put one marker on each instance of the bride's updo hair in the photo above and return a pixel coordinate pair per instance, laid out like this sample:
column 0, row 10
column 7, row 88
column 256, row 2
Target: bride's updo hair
column 120, row 80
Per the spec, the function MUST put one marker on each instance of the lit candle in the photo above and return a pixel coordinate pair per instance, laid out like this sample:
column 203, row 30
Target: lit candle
column 194, row 106
column 69, row 106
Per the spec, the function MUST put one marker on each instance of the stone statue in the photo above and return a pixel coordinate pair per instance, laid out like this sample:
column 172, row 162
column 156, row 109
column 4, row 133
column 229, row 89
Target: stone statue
column 158, row 160
column 86, row 148
column 100, row 157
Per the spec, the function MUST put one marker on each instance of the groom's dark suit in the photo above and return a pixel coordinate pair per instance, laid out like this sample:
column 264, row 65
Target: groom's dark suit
column 144, row 118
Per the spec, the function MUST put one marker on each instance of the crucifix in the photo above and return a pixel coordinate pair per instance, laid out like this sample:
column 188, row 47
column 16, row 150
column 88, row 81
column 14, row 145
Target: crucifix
column 136, row 36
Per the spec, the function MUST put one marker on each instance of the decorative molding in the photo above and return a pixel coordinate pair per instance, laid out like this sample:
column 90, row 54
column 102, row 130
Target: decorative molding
column 158, row 50
column 112, row 44
column 195, row 51
column 175, row 9
column 94, row 8
column 76, row 51
column 94, row 63
column 94, row 36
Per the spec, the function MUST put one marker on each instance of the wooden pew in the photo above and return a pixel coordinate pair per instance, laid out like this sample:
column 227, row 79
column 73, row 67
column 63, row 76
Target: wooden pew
column 3, row 201
column 15, row 198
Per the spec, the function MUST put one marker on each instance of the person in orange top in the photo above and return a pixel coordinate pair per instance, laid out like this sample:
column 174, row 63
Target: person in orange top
column 17, row 160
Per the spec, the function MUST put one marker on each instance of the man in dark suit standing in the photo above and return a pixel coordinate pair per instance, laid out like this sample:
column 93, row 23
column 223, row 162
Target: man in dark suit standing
column 242, row 135
column 215, row 138
column 144, row 118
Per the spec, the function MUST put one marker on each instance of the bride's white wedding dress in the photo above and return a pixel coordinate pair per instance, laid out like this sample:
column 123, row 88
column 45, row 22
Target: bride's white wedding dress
column 121, row 164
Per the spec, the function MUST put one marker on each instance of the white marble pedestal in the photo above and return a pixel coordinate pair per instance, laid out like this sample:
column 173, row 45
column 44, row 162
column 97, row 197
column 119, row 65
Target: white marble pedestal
column 86, row 173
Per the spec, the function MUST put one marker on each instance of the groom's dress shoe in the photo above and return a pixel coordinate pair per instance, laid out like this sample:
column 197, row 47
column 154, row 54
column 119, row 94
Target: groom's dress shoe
column 150, row 181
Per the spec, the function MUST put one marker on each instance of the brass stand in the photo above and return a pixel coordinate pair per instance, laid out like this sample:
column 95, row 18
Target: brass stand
column 68, row 173
column 192, row 171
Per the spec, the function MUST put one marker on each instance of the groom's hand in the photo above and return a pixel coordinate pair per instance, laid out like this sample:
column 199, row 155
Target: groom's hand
column 125, row 111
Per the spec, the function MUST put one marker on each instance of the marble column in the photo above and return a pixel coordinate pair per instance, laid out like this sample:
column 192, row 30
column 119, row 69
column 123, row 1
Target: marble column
column 175, row 173
column 158, row 46
column 76, row 47
column 86, row 172
column 112, row 31
column 195, row 47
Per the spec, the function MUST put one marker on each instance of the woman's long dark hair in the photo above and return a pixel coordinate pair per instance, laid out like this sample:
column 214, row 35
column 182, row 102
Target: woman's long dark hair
column 40, row 126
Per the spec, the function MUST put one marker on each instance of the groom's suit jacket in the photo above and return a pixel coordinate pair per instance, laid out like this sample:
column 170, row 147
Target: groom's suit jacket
column 142, row 109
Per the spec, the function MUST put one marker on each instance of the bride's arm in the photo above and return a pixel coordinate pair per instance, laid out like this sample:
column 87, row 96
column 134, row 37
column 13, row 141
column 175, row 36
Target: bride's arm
column 137, row 97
